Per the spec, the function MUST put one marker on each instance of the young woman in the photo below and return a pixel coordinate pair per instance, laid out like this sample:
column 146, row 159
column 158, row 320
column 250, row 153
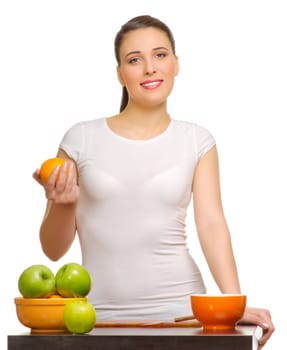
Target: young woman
column 125, row 188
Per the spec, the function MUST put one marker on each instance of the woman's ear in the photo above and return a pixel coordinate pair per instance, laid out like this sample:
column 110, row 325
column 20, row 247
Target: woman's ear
column 120, row 76
column 176, row 66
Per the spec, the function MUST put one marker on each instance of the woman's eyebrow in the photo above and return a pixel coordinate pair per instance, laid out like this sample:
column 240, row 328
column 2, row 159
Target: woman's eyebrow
column 160, row 48
column 154, row 49
column 132, row 53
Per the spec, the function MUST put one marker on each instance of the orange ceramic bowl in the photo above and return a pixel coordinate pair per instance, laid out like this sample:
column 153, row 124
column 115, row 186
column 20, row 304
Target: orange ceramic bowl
column 218, row 312
column 42, row 315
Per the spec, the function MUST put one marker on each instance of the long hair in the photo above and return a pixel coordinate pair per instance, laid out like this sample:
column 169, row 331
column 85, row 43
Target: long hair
column 138, row 22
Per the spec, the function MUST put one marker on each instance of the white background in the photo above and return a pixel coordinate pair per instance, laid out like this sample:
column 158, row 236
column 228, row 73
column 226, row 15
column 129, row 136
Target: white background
column 57, row 67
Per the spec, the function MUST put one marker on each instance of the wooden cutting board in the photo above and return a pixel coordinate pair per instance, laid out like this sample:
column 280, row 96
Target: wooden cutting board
column 151, row 324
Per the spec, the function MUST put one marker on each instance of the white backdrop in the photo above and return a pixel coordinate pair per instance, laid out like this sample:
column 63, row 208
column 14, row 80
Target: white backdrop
column 57, row 67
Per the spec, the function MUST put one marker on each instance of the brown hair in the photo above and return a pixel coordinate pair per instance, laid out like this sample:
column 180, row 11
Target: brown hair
column 138, row 22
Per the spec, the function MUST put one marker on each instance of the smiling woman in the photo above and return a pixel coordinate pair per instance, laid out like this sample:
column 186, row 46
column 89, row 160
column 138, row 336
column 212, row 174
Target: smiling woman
column 156, row 55
column 126, row 189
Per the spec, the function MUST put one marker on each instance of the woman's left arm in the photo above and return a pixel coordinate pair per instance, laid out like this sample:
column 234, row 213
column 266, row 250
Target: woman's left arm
column 211, row 225
column 215, row 240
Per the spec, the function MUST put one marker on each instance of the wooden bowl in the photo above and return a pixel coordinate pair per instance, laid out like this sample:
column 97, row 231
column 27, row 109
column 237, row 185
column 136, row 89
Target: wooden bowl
column 42, row 315
column 218, row 312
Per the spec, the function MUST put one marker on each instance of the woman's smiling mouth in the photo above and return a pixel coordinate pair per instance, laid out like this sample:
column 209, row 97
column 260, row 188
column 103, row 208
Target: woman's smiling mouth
column 151, row 84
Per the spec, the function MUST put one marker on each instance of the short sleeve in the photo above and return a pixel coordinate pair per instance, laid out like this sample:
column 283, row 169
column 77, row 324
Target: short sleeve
column 73, row 141
column 204, row 140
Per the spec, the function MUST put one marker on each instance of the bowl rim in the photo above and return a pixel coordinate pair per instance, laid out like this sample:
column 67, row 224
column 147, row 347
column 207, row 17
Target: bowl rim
column 219, row 295
column 45, row 301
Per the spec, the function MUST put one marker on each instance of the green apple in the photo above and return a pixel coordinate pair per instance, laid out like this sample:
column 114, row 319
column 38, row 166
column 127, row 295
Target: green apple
column 73, row 280
column 79, row 316
column 36, row 281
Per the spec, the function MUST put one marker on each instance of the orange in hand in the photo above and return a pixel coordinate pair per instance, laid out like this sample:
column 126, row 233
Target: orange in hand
column 48, row 166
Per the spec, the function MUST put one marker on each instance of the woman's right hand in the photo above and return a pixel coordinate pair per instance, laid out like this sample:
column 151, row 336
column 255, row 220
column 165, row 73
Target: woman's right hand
column 62, row 186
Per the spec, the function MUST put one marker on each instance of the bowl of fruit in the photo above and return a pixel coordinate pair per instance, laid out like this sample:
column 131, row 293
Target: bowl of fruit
column 43, row 315
column 55, row 303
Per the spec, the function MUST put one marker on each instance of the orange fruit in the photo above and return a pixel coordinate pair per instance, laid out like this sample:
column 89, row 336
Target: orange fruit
column 55, row 296
column 48, row 166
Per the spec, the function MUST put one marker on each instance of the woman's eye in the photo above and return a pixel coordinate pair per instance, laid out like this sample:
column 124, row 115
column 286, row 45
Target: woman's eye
column 133, row 60
column 161, row 55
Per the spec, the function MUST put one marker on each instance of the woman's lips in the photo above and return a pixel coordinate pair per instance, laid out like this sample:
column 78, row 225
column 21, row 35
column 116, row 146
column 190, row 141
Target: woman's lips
column 151, row 84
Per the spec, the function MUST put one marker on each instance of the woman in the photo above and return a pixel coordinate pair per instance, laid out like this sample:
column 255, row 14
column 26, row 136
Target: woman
column 125, row 188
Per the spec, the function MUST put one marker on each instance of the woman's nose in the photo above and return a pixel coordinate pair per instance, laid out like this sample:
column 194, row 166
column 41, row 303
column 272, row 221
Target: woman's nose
column 149, row 68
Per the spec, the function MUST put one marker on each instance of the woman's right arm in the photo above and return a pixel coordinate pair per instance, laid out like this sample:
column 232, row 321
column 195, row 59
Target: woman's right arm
column 58, row 228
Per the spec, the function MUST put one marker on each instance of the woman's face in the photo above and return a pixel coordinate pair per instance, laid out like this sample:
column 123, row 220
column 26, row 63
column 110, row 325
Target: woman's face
column 147, row 67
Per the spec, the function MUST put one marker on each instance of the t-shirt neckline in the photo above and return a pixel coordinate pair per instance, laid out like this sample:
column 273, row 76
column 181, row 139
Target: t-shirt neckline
column 128, row 140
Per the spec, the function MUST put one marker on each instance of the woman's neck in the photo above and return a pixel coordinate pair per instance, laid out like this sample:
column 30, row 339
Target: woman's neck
column 139, row 123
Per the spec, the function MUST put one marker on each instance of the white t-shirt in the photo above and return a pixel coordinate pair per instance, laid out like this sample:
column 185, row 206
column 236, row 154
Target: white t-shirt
column 131, row 217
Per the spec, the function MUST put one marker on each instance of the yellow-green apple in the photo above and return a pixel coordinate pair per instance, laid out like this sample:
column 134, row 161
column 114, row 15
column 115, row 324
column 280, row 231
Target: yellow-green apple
column 73, row 280
column 36, row 281
column 79, row 316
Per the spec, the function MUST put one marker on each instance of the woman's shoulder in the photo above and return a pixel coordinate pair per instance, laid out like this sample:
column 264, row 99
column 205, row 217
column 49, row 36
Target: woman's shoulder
column 79, row 135
column 197, row 136
column 83, row 129
column 191, row 127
